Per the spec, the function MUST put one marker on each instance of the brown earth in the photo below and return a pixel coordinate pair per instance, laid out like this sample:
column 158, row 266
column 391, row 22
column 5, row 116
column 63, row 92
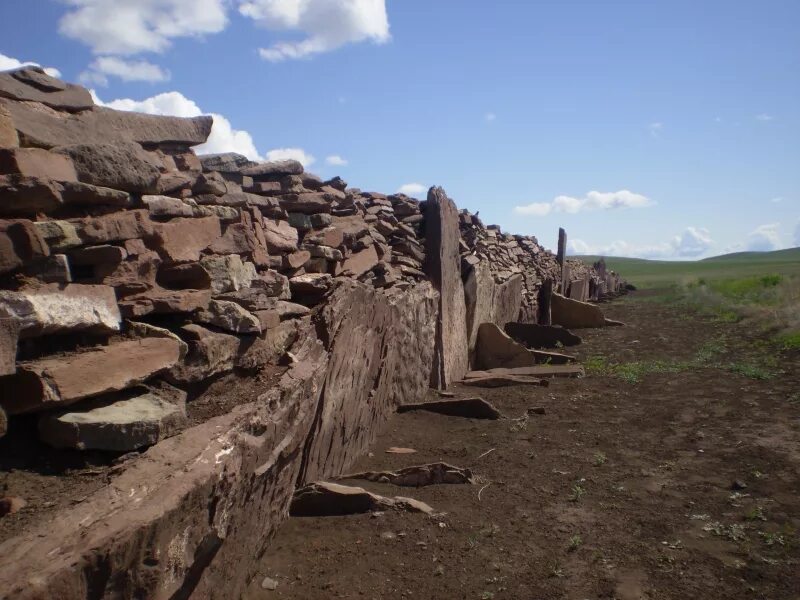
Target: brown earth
column 683, row 485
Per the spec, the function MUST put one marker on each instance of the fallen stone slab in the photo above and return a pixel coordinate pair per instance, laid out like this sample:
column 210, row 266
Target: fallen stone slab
column 572, row 370
column 418, row 475
column 532, row 335
column 63, row 380
column 325, row 499
column 471, row 408
column 575, row 314
column 494, row 381
column 121, row 425
column 400, row 450
column 55, row 308
column 495, row 349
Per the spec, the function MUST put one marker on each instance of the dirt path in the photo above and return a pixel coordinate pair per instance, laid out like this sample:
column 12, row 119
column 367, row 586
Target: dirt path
column 682, row 485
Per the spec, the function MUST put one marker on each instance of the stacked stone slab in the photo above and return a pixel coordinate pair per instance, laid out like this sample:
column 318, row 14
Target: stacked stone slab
column 134, row 273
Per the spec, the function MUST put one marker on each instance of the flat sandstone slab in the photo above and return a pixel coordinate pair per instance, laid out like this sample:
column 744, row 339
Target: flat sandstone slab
column 534, row 371
column 63, row 380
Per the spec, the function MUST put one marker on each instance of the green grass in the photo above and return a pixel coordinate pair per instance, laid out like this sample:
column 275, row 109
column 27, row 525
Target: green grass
column 660, row 273
column 761, row 288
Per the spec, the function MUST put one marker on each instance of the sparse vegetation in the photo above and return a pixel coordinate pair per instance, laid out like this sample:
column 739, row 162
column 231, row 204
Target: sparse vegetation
column 575, row 542
column 600, row 459
column 578, row 492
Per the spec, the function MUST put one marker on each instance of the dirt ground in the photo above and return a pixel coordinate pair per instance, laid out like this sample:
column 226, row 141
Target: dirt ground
column 681, row 485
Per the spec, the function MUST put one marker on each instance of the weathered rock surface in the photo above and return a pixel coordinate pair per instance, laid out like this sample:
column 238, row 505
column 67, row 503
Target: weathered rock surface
column 574, row 314
column 38, row 126
column 443, row 266
column 572, row 370
column 52, row 382
column 32, row 84
column 380, row 348
column 324, row 499
column 52, row 309
column 120, row 425
column 9, row 335
column 121, row 166
column 418, row 475
column 489, row 302
column 35, row 162
column 495, row 349
column 229, row 316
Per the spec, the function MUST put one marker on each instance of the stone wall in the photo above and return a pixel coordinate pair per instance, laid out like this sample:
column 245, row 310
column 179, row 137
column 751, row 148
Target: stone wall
column 247, row 324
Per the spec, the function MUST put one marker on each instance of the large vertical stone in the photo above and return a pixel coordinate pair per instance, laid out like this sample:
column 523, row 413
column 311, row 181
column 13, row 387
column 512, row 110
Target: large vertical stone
column 443, row 266
column 561, row 257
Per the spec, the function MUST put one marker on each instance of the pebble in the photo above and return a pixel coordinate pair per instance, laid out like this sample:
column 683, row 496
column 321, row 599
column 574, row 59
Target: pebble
column 269, row 584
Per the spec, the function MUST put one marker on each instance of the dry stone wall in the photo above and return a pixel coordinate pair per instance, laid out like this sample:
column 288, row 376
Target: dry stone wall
column 249, row 323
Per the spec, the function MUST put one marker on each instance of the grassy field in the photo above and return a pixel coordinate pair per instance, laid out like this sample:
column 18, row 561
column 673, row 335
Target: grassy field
column 762, row 288
column 660, row 273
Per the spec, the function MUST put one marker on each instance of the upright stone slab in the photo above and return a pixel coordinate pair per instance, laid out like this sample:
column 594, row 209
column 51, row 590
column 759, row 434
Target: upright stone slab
column 561, row 257
column 443, row 266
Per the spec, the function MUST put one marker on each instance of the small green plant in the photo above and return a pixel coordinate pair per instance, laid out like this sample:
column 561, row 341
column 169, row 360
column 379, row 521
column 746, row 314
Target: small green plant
column 596, row 365
column 556, row 570
column 755, row 514
column 575, row 542
column 599, row 459
column 578, row 492
column 751, row 371
column 487, row 595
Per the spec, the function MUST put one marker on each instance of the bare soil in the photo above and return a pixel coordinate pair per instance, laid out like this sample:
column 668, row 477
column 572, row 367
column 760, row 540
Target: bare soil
column 683, row 485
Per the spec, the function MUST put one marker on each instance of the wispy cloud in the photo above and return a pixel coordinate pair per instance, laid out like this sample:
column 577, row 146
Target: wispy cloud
column 127, row 70
column 594, row 200
column 335, row 160
column 764, row 117
column 655, row 129
column 412, row 189
column 297, row 154
column 490, row 117
column 691, row 243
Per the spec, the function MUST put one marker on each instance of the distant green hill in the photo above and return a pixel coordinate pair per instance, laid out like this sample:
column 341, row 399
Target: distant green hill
column 657, row 273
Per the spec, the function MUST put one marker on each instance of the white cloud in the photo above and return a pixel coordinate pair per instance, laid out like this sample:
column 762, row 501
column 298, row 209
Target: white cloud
column 223, row 138
column 8, row 63
column 777, row 200
column 297, row 154
column 490, row 116
column 127, row 70
column 764, row 238
column 128, row 27
column 691, row 243
column 327, row 24
column 797, row 234
column 655, row 129
column 764, row 117
column 336, row 160
column 594, row 200
column 412, row 189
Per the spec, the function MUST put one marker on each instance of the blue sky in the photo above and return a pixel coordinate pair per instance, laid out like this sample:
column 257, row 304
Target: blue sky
column 645, row 128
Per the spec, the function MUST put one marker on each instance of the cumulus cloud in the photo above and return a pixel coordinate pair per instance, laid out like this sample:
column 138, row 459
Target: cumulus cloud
column 7, row 63
column 412, row 189
column 764, row 238
column 327, row 24
column 336, row 161
column 297, row 154
column 223, row 138
column 692, row 242
column 125, row 28
column 127, row 70
column 594, row 200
